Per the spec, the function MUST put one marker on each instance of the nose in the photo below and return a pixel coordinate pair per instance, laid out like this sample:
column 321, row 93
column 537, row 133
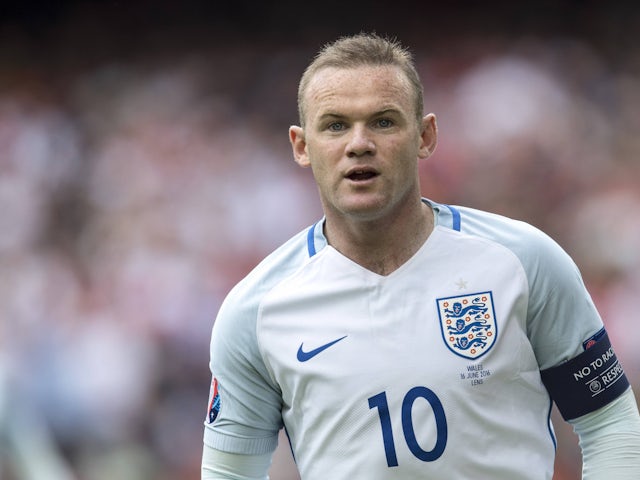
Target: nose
column 360, row 142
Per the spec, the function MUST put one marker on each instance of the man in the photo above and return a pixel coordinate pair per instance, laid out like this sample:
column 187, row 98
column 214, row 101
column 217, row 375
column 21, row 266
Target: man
column 402, row 338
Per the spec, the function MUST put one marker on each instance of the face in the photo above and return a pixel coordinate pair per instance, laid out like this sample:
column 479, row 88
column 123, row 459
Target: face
column 362, row 141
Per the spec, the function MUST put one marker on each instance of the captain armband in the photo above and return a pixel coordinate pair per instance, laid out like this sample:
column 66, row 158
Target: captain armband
column 587, row 382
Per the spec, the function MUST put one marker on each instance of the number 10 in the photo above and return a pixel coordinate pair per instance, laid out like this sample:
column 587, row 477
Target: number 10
column 379, row 401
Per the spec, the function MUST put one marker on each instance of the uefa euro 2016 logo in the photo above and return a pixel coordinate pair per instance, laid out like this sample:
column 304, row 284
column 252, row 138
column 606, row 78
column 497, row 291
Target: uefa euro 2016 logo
column 214, row 401
column 468, row 324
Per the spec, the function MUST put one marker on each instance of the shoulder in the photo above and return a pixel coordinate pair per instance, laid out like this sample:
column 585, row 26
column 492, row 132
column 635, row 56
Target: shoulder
column 536, row 250
column 502, row 229
column 549, row 270
column 559, row 306
column 243, row 301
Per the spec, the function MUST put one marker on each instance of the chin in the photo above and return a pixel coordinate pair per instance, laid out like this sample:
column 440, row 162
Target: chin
column 364, row 209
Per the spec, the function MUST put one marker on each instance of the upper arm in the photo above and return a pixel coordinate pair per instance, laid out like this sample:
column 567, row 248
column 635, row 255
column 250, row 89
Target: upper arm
column 248, row 415
column 560, row 314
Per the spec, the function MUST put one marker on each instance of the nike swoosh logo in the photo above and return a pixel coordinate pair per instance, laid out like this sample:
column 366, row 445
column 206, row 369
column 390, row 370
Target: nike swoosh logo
column 304, row 356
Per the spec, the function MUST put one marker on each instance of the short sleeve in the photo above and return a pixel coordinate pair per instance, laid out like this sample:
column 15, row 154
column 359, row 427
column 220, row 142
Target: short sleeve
column 561, row 314
column 247, row 402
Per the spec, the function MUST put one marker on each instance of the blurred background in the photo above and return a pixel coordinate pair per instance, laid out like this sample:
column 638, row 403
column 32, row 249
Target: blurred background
column 145, row 168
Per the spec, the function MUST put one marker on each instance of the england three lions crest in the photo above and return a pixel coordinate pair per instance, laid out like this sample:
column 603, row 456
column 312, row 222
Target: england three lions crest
column 468, row 323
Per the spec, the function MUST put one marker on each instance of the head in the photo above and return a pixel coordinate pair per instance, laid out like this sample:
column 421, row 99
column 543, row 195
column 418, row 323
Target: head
column 365, row 49
column 362, row 130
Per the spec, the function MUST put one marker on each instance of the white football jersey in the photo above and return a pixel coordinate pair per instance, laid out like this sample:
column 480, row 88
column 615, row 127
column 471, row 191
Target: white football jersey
column 431, row 372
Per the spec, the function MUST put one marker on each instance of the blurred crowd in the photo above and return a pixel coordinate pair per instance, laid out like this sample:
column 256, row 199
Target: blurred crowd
column 135, row 192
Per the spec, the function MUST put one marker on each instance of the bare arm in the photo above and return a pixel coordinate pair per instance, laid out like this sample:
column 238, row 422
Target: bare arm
column 610, row 440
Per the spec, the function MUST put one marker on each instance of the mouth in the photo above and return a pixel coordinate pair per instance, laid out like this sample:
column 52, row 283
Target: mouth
column 361, row 174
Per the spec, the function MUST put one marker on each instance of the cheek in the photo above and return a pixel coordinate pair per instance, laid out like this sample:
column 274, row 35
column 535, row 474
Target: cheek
column 323, row 158
column 319, row 166
column 405, row 155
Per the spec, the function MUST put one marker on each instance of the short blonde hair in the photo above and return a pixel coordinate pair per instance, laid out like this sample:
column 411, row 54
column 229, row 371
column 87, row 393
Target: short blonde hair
column 363, row 49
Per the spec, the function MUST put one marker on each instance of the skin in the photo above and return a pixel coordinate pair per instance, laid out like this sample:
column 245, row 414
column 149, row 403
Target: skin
column 363, row 142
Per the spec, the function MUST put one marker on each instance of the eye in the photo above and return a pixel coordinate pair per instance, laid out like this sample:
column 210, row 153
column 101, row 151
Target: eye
column 384, row 123
column 336, row 127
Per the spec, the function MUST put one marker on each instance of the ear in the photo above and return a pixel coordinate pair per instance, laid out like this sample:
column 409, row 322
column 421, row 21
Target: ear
column 299, row 146
column 428, row 136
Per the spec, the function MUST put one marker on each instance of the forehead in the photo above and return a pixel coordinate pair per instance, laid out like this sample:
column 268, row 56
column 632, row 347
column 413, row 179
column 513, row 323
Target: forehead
column 338, row 88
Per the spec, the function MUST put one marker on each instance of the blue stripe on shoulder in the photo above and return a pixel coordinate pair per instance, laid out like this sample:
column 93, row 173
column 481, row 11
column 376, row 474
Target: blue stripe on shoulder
column 455, row 213
column 311, row 247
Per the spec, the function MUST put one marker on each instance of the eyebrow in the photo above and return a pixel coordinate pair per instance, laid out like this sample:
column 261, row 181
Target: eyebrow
column 339, row 116
column 387, row 111
column 327, row 116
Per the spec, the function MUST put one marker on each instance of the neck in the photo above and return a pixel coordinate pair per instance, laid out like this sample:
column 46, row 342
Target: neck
column 383, row 245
